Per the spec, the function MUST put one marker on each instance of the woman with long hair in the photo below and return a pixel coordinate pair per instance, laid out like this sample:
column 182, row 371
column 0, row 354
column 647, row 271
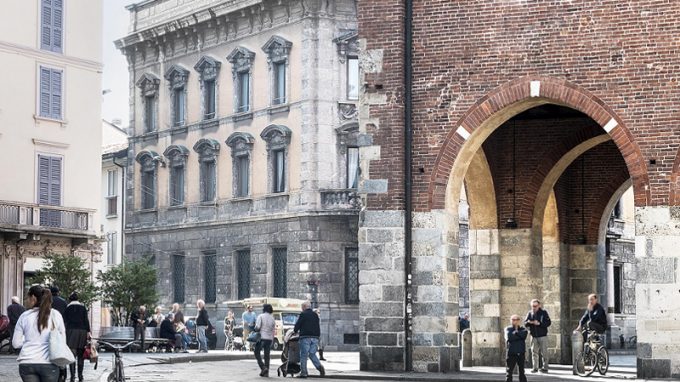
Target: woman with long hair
column 77, row 333
column 32, row 335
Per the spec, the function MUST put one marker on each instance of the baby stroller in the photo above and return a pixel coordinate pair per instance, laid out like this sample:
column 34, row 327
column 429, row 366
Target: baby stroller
column 4, row 332
column 290, row 355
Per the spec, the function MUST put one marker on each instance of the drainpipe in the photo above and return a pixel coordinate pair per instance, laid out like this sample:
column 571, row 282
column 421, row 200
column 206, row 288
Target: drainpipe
column 122, row 210
column 408, row 142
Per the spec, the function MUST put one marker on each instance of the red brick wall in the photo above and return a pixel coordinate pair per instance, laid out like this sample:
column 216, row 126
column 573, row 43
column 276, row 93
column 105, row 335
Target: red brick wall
column 622, row 53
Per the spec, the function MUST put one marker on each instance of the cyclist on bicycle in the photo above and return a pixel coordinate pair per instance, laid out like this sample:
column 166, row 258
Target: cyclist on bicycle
column 595, row 318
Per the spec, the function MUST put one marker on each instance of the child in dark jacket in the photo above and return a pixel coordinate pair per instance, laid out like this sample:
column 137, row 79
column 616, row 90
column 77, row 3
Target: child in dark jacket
column 515, row 337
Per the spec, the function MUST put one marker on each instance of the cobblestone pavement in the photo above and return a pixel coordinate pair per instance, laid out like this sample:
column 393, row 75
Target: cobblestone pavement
column 225, row 367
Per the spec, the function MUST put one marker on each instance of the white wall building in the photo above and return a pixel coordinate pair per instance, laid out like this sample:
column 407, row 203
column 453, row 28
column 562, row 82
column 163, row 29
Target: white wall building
column 50, row 113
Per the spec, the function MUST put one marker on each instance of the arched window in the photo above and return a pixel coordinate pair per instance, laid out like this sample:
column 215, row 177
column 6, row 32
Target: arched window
column 278, row 139
column 148, row 161
column 177, row 159
column 209, row 69
column 241, row 145
column 207, row 150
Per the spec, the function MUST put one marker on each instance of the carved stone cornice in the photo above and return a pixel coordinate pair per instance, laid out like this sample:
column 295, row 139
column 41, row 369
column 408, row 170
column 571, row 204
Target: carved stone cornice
column 241, row 60
column 208, row 67
column 148, row 83
column 348, row 45
column 277, row 49
column 177, row 76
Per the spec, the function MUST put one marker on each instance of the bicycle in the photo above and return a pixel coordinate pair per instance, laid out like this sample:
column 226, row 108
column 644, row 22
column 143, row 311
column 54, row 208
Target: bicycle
column 593, row 357
column 118, row 372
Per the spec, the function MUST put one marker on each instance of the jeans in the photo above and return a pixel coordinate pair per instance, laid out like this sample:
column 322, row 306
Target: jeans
column 539, row 348
column 38, row 372
column 202, row 340
column 266, row 345
column 308, row 348
column 513, row 360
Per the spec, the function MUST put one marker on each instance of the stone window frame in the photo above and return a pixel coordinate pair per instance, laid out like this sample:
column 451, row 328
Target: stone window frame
column 148, row 163
column 278, row 52
column 208, row 150
column 149, row 90
column 348, row 47
column 242, row 61
column 278, row 138
column 176, row 156
column 347, row 136
column 345, row 268
column 208, row 68
column 241, row 145
column 178, row 79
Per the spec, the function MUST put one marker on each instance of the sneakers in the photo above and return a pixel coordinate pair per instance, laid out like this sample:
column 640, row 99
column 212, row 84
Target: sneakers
column 544, row 370
column 534, row 371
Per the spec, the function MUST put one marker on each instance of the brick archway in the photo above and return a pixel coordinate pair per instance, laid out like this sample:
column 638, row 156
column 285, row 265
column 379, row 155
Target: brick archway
column 508, row 100
column 674, row 199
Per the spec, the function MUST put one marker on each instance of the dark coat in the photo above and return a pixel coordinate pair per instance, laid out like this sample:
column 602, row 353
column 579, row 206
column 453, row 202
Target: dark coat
column 515, row 339
column 464, row 324
column 75, row 317
column 138, row 315
column 202, row 319
column 538, row 330
column 59, row 304
column 14, row 311
column 597, row 315
column 308, row 324
column 167, row 330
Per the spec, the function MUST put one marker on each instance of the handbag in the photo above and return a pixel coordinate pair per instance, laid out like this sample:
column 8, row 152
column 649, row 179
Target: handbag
column 254, row 337
column 60, row 354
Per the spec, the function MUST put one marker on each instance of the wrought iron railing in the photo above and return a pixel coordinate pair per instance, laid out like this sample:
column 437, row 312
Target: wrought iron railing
column 344, row 199
column 58, row 217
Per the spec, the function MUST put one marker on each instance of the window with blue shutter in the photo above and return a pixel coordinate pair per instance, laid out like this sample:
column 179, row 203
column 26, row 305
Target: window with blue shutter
column 52, row 25
column 51, row 93
column 49, row 189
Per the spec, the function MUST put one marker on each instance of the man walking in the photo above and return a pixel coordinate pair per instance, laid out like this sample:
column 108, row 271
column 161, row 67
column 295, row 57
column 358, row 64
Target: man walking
column 515, row 336
column 538, row 322
column 14, row 310
column 310, row 330
column 202, row 323
column 249, row 317
column 59, row 304
column 139, row 321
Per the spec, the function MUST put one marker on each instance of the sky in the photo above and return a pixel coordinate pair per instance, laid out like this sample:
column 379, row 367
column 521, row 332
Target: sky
column 115, row 77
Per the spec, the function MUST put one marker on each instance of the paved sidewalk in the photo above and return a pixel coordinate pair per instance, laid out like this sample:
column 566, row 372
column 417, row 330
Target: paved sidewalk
column 221, row 366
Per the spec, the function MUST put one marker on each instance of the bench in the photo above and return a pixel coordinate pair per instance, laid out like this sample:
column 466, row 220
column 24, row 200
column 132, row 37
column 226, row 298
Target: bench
column 120, row 335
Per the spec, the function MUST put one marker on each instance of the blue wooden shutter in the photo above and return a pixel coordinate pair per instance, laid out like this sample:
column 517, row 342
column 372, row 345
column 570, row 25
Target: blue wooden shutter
column 46, row 25
column 49, row 189
column 55, row 181
column 45, row 93
column 56, row 91
column 43, row 179
column 57, row 25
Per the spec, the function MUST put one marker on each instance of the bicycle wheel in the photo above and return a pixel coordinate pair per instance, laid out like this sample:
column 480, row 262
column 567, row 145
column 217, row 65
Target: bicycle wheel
column 602, row 360
column 586, row 364
column 112, row 377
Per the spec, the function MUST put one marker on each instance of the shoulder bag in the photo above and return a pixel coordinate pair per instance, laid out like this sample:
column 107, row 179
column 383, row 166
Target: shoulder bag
column 60, row 354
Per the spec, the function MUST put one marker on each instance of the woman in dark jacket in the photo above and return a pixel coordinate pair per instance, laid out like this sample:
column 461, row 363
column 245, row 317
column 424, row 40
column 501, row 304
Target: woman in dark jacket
column 77, row 332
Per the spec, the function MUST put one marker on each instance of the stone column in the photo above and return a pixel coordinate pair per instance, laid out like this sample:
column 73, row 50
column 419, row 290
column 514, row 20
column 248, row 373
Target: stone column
column 381, row 290
column 657, row 292
column 485, row 299
column 610, row 291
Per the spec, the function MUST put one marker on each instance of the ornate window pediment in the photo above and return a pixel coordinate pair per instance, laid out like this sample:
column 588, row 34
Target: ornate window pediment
column 148, row 83
column 207, row 149
column 277, row 49
column 148, row 160
column 348, row 135
column 241, row 59
column 276, row 136
column 177, row 76
column 176, row 155
column 240, row 143
column 208, row 67
column 348, row 44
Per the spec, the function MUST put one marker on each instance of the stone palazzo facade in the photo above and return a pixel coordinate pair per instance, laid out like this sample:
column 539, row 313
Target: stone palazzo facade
column 544, row 114
column 243, row 156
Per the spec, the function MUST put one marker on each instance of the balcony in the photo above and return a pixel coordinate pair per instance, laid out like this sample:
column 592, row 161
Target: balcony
column 615, row 227
column 36, row 218
column 343, row 199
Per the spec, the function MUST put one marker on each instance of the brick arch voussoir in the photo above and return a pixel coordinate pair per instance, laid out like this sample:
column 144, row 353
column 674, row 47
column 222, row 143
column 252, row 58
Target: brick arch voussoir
column 612, row 186
column 551, row 90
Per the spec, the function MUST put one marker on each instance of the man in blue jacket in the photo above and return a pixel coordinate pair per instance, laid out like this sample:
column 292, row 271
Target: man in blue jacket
column 310, row 331
column 515, row 337
column 537, row 322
